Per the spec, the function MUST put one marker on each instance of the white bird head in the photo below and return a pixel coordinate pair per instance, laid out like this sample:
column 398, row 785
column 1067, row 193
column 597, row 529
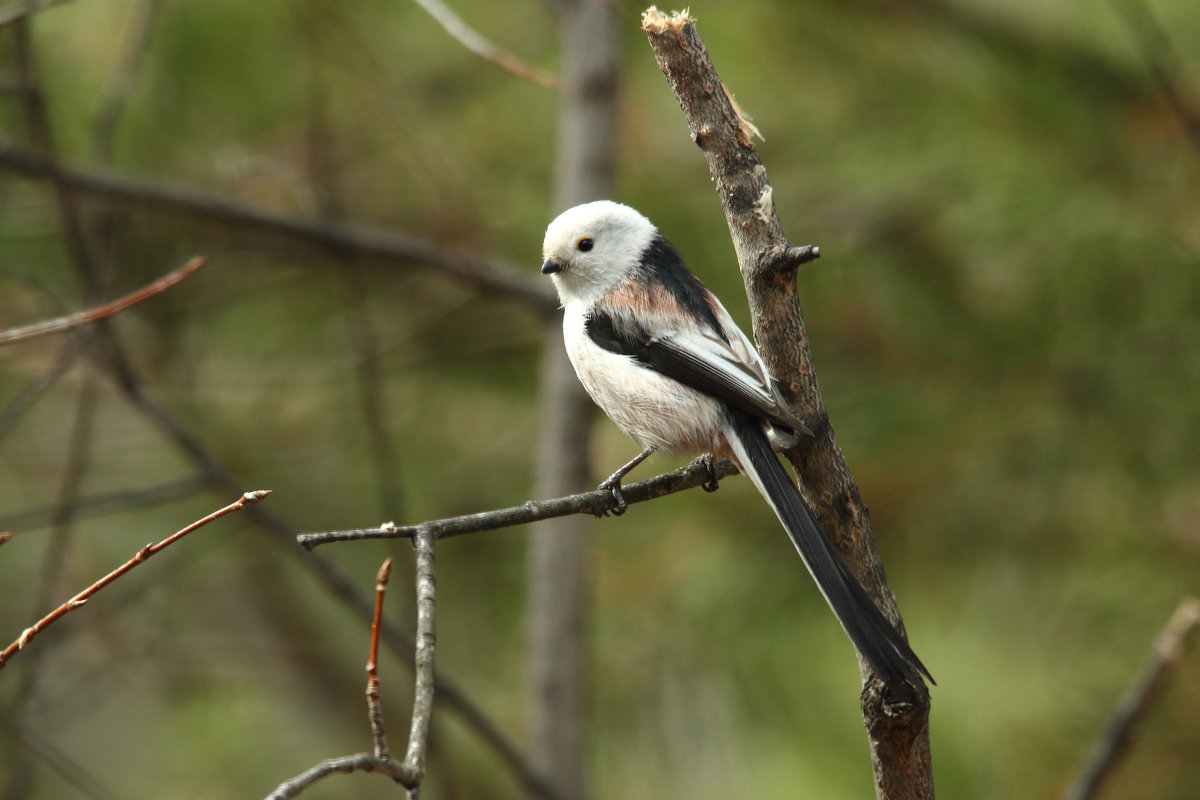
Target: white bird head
column 592, row 247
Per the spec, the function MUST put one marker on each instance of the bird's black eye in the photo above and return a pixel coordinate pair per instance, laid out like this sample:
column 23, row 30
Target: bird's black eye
column 585, row 244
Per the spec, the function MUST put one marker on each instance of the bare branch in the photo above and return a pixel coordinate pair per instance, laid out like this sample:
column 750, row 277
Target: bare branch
column 897, row 718
column 596, row 503
column 14, row 335
column 359, row 762
column 1145, row 689
column 469, row 38
column 352, row 240
column 423, row 689
column 410, row 773
column 374, row 705
column 138, row 557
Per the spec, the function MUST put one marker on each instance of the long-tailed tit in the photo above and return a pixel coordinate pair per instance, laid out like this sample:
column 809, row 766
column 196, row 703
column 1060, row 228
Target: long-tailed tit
column 660, row 354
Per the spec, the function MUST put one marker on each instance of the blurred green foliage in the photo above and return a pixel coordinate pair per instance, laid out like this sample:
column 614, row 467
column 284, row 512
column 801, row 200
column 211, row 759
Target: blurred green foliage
column 1006, row 320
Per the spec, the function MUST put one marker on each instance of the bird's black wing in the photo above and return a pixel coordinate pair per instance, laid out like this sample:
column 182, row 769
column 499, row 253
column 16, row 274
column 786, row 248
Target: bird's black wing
column 700, row 359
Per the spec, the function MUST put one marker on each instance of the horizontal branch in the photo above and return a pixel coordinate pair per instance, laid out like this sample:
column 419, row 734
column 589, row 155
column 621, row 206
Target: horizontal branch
column 482, row 273
column 81, row 318
column 359, row 762
column 598, row 503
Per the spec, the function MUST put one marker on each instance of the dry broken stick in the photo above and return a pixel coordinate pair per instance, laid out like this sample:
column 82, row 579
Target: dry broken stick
column 898, row 725
column 410, row 773
column 138, row 557
column 14, row 335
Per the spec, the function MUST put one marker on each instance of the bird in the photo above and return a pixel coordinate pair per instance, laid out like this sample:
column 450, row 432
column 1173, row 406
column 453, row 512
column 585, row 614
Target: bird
column 656, row 350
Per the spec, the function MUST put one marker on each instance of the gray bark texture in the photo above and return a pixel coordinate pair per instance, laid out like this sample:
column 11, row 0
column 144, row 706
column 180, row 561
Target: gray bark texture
column 898, row 727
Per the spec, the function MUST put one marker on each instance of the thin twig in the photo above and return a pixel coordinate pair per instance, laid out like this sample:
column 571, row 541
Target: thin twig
column 138, row 557
column 473, row 41
column 596, row 503
column 486, row 274
column 412, row 771
column 423, row 690
column 5, row 536
column 374, row 705
column 78, row 319
column 1147, row 687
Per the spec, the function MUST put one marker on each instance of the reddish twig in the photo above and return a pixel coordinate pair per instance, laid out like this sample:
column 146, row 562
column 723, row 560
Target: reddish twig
column 13, row 335
column 410, row 773
column 5, row 536
column 138, row 557
column 374, row 706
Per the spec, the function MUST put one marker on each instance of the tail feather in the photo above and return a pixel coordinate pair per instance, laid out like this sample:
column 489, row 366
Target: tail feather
column 880, row 643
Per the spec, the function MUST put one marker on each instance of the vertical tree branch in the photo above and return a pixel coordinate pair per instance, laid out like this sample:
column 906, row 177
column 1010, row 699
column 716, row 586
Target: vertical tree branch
column 374, row 704
column 423, row 689
column 898, row 726
column 558, row 558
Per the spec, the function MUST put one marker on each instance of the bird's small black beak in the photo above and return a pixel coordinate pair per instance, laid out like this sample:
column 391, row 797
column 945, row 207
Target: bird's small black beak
column 550, row 266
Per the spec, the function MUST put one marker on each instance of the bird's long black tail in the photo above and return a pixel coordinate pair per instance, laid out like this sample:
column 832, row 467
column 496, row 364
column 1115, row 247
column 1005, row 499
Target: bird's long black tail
column 884, row 647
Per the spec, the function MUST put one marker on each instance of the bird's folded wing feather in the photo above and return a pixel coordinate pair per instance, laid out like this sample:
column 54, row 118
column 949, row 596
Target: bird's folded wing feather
column 700, row 359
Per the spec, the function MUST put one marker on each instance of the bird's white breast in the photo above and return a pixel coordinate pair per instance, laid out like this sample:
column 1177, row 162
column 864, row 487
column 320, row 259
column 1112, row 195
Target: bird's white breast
column 652, row 409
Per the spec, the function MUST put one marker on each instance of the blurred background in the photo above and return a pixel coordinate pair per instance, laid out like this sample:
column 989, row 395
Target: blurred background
column 1005, row 320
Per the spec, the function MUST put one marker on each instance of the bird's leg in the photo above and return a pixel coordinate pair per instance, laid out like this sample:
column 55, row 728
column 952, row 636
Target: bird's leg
column 710, row 464
column 613, row 482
